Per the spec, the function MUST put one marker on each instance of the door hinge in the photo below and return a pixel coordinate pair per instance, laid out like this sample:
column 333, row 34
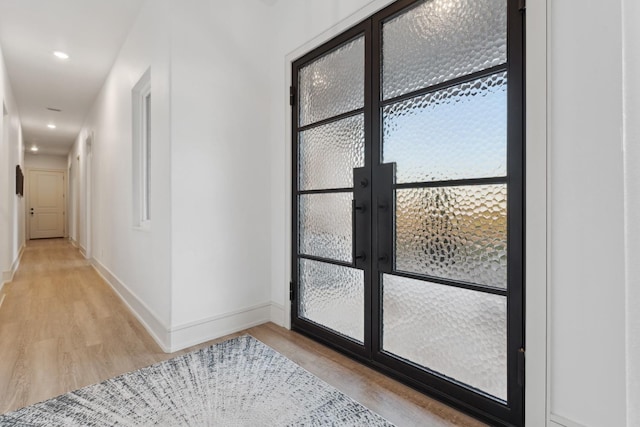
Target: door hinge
column 522, row 5
column 292, row 95
column 292, row 291
column 521, row 354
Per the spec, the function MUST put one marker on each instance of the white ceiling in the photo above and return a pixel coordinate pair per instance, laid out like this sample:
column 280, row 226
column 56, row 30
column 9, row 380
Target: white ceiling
column 90, row 31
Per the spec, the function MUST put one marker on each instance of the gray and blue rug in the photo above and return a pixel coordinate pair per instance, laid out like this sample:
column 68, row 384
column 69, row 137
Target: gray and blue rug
column 239, row 382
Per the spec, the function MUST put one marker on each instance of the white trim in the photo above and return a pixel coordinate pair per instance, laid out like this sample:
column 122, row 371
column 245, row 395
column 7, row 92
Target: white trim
column 141, row 116
column 7, row 276
column 557, row 420
column 199, row 331
column 151, row 322
column 277, row 313
column 536, row 259
column 187, row 334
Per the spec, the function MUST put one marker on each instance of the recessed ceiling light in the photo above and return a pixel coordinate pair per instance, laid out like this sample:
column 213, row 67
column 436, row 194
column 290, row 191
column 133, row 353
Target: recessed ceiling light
column 34, row 148
column 51, row 126
column 61, row 55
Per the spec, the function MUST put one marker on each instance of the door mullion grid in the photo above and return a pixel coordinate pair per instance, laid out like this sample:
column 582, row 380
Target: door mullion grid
column 333, row 339
column 477, row 402
column 459, row 395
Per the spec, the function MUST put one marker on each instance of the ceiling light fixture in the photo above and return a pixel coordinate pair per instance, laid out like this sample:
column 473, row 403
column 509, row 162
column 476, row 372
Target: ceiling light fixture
column 51, row 126
column 34, row 148
column 61, row 55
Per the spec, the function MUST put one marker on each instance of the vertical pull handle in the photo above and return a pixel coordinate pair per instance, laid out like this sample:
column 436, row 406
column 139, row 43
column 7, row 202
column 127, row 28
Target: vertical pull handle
column 360, row 218
column 385, row 217
column 355, row 208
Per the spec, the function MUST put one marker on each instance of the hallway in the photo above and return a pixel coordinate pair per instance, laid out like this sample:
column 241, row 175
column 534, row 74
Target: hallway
column 62, row 327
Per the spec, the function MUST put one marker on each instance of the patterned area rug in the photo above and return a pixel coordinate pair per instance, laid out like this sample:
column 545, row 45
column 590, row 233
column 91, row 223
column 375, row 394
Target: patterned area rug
column 240, row 382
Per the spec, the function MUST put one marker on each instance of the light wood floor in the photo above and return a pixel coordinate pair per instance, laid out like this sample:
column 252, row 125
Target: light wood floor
column 62, row 327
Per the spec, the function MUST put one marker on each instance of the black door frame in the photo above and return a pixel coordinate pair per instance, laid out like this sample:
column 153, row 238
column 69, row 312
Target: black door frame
column 484, row 407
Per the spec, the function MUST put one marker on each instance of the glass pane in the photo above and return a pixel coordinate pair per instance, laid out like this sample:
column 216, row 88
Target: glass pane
column 332, row 84
column 456, row 332
column 325, row 225
column 455, row 133
column 328, row 154
column 454, row 232
column 332, row 296
column 439, row 40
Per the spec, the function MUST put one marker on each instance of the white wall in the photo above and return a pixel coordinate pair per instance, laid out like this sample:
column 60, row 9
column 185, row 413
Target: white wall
column 587, row 282
column 631, row 91
column 220, row 171
column 11, row 205
column 136, row 262
column 45, row 161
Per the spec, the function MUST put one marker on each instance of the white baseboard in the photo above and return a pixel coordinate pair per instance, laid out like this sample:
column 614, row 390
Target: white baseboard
column 7, row 276
column 277, row 314
column 157, row 330
column 83, row 251
column 192, row 333
column 558, row 421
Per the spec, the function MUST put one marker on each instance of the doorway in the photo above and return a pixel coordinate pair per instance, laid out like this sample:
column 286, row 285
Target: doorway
column 46, row 210
column 407, row 248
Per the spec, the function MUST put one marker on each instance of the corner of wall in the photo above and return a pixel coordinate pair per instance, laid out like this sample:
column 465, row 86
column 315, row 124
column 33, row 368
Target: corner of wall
column 149, row 320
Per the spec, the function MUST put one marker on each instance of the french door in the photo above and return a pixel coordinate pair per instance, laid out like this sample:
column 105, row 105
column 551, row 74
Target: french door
column 408, row 199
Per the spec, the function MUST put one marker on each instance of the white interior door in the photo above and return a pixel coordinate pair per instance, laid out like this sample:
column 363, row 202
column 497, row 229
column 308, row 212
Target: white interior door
column 46, row 204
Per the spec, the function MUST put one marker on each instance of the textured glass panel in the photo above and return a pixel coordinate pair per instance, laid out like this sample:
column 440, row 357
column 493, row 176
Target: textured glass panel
column 325, row 225
column 456, row 332
column 454, row 232
column 328, row 154
column 455, row 133
column 332, row 84
column 332, row 296
column 439, row 40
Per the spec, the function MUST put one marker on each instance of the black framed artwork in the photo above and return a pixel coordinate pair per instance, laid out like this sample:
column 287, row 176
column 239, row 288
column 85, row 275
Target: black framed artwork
column 19, row 181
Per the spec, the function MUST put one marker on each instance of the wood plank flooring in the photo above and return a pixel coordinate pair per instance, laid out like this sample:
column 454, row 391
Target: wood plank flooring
column 62, row 328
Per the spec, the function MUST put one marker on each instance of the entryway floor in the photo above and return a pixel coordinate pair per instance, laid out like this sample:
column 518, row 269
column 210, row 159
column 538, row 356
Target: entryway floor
column 62, row 327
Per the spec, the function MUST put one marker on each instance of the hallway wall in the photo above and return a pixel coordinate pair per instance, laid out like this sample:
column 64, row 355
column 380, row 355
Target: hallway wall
column 11, row 205
column 45, row 161
column 135, row 261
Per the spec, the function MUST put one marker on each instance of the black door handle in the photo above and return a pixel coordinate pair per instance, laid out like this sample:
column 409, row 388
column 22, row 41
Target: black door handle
column 361, row 256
